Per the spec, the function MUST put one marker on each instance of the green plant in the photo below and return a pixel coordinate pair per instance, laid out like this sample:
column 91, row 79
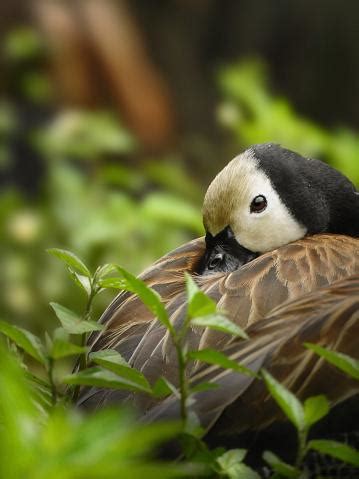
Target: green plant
column 254, row 115
column 62, row 443
column 304, row 416
column 49, row 398
column 110, row 211
column 202, row 311
column 111, row 370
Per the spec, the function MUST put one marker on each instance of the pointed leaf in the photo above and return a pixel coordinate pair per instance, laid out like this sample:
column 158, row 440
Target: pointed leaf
column 72, row 323
column 104, row 270
column 242, row 471
column 110, row 356
column 201, row 305
column 232, row 466
column 25, row 340
column 279, row 466
column 71, row 260
column 81, row 281
column 191, row 287
column 148, row 296
column 192, row 426
column 220, row 323
column 116, row 283
column 336, row 449
column 205, row 386
column 163, row 388
column 231, row 457
column 289, row 404
column 114, row 362
column 48, row 341
column 342, row 361
column 40, row 389
column 315, row 408
column 62, row 348
column 211, row 356
column 104, row 378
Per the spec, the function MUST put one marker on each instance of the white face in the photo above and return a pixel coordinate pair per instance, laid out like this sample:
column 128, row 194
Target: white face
column 259, row 226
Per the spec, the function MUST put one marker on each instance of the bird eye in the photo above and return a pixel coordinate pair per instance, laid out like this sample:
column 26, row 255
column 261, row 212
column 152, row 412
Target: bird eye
column 216, row 261
column 259, row 204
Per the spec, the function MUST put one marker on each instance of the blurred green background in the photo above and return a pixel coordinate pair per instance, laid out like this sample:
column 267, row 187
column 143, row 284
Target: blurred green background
column 115, row 115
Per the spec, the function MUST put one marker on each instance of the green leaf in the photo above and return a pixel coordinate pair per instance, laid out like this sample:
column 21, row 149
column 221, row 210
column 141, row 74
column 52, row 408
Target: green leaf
column 242, row 471
column 62, row 347
column 81, row 281
column 220, row 323
column 336, row 449
column 231, row 457
column 163, row 388
column 110, row 356
column 116, row 283
column 193, row 426
column 147, row 295
column 289, row 404
column 205, row 386
column 113, row 361
column 201, row 305
column 191, row 287
column 232, row 466
column 211, row 356
column 104, row 378
column 25, row 340
column 22, row 44
column 342, row 361
column 159, row 208
column 101, row 282
column 104, row 270
column 40, row 387
column 279, row 466
column 72, row 323
column 71, row 260
column 315, row 408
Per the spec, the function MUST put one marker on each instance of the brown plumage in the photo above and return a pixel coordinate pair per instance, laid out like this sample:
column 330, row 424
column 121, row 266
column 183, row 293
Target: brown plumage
column 281, row 258
column 328, row 316
column 282, row 299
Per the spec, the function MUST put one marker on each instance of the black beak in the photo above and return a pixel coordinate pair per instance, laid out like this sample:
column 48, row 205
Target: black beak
column 224, row 253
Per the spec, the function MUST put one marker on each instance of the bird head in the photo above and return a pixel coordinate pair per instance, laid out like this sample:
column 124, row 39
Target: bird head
column 269, row 196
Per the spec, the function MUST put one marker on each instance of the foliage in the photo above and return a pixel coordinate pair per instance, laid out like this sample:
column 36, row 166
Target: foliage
column 90, row 200
column 101, row 444
column 64, row 444
column 98, row 208
column 342, row 361
column 254, row 115
column 303, row 417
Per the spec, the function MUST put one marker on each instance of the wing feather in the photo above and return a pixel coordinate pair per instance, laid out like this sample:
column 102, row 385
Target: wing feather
column 276, row 343
column 250, row 296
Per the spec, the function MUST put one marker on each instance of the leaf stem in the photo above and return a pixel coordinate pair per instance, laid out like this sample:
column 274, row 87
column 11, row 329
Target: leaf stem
column 302, row 447
column 50, row 372
column 183, row 386
column 83, row 357
column 87, row 317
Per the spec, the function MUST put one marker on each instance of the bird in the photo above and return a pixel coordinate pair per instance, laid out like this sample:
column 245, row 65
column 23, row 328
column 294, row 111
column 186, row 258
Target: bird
column 280, row 256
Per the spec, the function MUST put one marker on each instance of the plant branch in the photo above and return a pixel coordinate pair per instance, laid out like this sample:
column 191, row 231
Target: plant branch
column 183, row 386
column 50, row 372
column 302, row 447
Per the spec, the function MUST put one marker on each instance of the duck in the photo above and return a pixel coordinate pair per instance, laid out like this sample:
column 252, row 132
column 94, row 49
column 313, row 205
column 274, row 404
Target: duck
column 280, row 256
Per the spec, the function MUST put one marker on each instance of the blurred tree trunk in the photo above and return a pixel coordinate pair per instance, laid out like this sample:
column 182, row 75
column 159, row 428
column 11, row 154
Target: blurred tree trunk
column 97, row 51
